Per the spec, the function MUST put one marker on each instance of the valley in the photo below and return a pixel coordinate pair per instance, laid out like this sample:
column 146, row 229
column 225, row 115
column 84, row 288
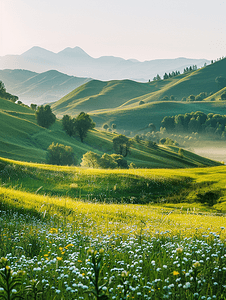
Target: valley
column 152, row 228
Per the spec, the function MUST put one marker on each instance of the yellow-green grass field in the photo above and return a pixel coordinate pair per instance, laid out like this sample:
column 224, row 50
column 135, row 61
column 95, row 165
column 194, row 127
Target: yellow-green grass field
column 60, row 245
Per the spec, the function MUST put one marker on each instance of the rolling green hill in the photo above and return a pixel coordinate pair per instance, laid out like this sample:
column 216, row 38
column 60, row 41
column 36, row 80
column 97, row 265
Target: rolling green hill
column 131, row 105
column 22, row 139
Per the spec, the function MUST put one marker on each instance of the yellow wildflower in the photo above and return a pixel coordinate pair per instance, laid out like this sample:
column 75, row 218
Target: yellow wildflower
column 69, row 245
column 175, row 273
column 59, row 258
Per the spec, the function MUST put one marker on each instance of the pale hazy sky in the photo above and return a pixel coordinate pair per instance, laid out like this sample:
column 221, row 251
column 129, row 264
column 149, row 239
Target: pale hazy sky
column 140, row 29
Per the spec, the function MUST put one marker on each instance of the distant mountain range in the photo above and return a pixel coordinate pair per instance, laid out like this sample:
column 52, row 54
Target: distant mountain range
column 39, row 88
column 75, row 61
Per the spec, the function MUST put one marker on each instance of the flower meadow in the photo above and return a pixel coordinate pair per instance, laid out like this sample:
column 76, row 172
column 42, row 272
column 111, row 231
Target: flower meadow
column 63, row 249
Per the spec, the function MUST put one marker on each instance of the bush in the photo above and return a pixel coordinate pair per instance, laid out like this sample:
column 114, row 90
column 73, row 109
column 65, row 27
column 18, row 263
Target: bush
column 106, row 161
column 44, row 116
column 105, row 126
column 59, row 154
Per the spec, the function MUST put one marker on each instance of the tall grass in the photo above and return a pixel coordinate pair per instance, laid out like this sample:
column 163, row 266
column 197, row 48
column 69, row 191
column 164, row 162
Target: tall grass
column 58, row 248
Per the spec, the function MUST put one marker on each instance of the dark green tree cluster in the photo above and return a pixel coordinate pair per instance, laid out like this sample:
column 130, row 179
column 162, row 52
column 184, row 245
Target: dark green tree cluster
column 45, row 117
column 190, row 69
column 78, row 126
column 5, row 95
column 33, row 106
column 121, row 145
column 157, row 78
column 168, row 141
column 220, row 58
column 198, row 97
column 106, row 161
column 58, row 154
column 210, row 124
column 170, row 75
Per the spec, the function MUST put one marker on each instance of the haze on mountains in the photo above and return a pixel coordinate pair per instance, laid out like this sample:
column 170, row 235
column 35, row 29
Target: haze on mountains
column 39, row 88
column 75, row 61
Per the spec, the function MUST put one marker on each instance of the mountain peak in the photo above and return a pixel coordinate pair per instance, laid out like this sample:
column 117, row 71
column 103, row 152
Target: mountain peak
column 76, row 51
column 37, row 51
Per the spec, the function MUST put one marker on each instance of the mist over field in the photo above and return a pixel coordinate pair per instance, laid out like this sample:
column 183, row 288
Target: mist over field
column 213, row 152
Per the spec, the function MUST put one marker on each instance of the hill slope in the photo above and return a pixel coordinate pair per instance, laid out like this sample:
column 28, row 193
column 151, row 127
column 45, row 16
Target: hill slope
column 40, row 88
column 22, row 139
column 119, row 101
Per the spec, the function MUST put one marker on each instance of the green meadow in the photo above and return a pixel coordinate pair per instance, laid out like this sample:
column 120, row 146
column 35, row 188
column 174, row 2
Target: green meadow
column 154, row 231
column 22, row 139
column 73, row 233
column 119, row 102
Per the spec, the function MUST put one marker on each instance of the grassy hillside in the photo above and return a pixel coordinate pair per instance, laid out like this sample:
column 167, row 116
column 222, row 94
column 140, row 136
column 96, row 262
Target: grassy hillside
column 100, row 95
column 22, row 139
column 119, row 101
column 202, row 185
column 66, row 230
column 132, row 119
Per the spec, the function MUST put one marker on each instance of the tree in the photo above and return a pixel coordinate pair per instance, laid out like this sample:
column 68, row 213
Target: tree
column 105, row 126
column 121, row 145
column 165, row 76
column 191, row 98
column 137, row 138
column 106, row 161
column 44, row 116
column 68, row 124
column 91, row 160
column 6, row 95
column 181, row 152
column 120, row 160
column 33, row 106
column 2, row 89
column 83, row 123
column 157, row 78
column 168, row 123
column 59, row 154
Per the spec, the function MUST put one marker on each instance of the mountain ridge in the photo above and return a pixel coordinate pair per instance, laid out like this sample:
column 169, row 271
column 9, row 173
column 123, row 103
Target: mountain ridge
column 39, row 88
column 75, row 61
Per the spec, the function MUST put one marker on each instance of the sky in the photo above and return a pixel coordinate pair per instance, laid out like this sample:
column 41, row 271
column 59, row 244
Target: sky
column 138, row 29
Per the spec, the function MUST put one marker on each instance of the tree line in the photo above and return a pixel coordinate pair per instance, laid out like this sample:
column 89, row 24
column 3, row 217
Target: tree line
column 175, row 73
column 5, row 95
column 210, row 124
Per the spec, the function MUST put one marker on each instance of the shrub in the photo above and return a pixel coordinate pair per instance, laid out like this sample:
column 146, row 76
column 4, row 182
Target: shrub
column 59, row 154
column 105, row 126
column 44, row 116
column 106, row 161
